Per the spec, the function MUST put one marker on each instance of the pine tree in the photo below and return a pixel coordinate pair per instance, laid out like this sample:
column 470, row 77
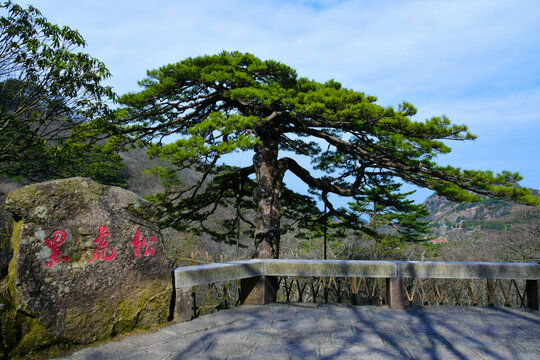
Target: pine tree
column 234, row 102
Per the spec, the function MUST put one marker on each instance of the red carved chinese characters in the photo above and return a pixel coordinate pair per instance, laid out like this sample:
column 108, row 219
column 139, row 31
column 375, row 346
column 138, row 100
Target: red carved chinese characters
column 148, row 250
column 101, row 249
column 57, row 238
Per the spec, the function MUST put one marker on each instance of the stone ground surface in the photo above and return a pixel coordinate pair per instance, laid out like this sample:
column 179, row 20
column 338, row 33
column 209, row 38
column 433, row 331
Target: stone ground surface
column 318, row 331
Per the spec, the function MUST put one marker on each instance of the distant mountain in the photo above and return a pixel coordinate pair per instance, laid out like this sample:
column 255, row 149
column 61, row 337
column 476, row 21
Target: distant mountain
column 489, row 214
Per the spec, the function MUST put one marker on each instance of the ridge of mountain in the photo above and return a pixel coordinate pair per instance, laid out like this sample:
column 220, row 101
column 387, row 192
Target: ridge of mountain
column 489, row 214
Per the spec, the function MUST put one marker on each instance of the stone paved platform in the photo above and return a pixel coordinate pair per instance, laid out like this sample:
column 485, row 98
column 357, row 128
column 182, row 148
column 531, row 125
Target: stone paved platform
column 310, row 331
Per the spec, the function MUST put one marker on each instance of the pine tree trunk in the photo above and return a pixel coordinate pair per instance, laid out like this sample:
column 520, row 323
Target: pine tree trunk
column 263, row 289
column 269, row 177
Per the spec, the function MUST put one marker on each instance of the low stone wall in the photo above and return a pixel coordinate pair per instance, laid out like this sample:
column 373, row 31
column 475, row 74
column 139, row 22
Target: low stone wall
column 258, row 286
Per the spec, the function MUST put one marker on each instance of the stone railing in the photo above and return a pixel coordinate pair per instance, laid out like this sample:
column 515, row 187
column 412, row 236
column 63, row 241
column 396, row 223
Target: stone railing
column 260, row 279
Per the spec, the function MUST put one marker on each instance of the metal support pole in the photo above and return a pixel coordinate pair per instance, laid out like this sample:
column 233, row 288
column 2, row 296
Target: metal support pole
column 325, row 230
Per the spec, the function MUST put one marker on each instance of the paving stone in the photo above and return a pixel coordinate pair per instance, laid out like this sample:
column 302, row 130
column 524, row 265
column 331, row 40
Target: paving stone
column 226, row 334
column 483, row 341
column 309, row 306
column 529, row 341
column 380, row 354
column 416, row 340
column 372, row 340
column 342, row 309
column 529, row 327
column 363, row 326
column 282, row 315
column 439, row 328
column 190, row 327
column 303, row 336
column 334, row 351
column 313, row 314
column 193, row 347
column 145, row 340
column 225, row 316
column 280, row 351
column 223, row 349
column 332, row 325
column 250, row 324
column 505, row 353
column 494, row 330
column 443, row 353
column 343, row 333
column 395, row 315
column 389, row 327
column 358, row 316
column 262, row 337
column 302, row 324
column 282, row 331
column 107, row 351
column 449, row 314
column 147, row 355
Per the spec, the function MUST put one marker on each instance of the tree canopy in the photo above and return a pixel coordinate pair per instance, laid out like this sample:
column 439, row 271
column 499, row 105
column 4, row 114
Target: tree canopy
column 47, row 89
column 216, row 105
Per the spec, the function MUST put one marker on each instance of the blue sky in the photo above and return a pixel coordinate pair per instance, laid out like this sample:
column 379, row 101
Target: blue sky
column 476, row 61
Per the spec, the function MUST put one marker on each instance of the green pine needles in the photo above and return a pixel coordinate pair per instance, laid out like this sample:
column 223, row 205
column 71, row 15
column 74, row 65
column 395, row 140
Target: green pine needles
column 233, row 102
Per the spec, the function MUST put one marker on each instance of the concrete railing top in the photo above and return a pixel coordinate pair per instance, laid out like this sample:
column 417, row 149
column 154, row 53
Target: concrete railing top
column 205, row 274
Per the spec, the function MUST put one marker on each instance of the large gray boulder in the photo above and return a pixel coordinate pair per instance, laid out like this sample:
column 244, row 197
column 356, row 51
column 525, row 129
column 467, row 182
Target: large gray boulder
column 88, row 262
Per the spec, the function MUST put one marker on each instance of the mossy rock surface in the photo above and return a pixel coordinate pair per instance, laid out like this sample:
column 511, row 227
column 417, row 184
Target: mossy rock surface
column 88, row 262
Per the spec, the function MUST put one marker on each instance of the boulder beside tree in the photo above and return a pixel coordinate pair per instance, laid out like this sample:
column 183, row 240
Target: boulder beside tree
column 88, row 263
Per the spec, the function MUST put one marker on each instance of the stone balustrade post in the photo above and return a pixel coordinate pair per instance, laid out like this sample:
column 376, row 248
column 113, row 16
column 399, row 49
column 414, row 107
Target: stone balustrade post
column 531, row 289
column 396, row 293
column 259, row 290
column 183, row 305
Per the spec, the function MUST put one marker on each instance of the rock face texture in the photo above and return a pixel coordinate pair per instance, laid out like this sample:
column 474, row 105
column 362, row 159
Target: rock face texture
column 88, row 262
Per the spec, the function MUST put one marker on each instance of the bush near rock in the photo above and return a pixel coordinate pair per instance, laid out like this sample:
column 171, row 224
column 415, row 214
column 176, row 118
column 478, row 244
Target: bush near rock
column 88, row 263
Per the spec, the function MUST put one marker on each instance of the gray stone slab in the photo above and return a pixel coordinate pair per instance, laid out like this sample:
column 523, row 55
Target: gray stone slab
column 529, row 327
column 281, row 351
column 391, row 327
column 443, row 353
column 226, row 334
column 337, row 351
column 364, row 326
column 303, row 336
column 302, row 324
column 111, row 350
column 196, row 325
column 195, row 346
column 498, row 330
column 311, row 314
column 385, row 314
column 145, row 340
column 486, row 342
column 255, row 332
column 224, row 316
column 371, row 340
column 263, row 337
column 147, row 355
column 446, row 329
column 376, row 354
column 223, row 349
column 506, row 353
column 332, row 325
column 250, row 324
column 529, row 341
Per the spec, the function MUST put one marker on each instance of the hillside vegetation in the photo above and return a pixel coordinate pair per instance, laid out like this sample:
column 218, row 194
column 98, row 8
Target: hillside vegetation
column 491, row 230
